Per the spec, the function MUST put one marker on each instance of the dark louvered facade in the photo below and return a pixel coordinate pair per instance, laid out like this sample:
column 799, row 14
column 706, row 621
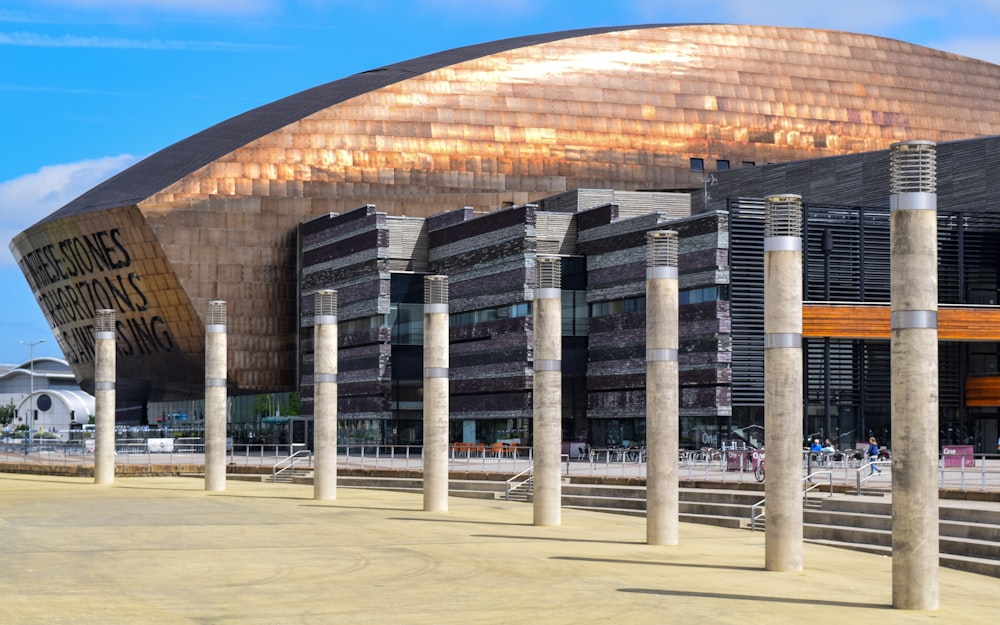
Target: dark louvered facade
column 846, row 264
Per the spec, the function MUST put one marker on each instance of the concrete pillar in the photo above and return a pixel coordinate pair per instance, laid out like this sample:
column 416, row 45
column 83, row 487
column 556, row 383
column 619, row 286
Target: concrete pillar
column 436, row 389
column 215, row 396
column 662, row 424
column 547, row 391
column 325, row 395
column 783, row 382
column 914, row 352
column 104, row 397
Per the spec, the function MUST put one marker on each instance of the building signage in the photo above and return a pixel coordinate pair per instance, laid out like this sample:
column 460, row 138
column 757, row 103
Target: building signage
column 75, row 277
column 956, row 455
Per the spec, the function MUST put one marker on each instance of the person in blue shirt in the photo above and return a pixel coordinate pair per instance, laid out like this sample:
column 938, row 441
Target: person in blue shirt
column 873, row 455
column 816, row 446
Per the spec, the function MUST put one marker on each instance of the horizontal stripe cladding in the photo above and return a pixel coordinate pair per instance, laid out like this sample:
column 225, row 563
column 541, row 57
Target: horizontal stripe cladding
column 619, row 235
column 616, row 281
column 479, row 225
column 329, row 225
column 616, row 258
column 617, row 404
column 366, row 293
column 631, row 403
column 349, row 253
column 501, row 405
column 616, row 371
column 364, row 381
column 501, row 284
column 344, row 250
column 595, row 218
column 485, row 258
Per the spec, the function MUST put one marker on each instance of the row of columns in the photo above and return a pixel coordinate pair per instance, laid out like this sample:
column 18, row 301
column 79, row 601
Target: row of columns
column 913, row 233
column 914, row 377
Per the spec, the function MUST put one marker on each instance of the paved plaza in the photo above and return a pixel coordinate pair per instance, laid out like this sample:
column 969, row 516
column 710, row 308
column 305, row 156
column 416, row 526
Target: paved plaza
column 162, row 550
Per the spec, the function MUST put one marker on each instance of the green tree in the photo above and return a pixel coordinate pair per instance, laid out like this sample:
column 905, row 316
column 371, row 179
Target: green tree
column 7, row 413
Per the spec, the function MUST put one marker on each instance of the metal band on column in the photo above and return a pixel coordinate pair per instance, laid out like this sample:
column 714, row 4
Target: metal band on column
column 914, row 364
column 104, row 396
column 325, row 352
column 783, row 380
column 216, row 366
column 547, row 391
column 662, row 389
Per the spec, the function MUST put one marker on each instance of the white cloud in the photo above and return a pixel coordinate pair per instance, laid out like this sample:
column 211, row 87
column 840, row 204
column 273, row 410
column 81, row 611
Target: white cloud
column 200, row 7
column 36, row 40
column 25, row 200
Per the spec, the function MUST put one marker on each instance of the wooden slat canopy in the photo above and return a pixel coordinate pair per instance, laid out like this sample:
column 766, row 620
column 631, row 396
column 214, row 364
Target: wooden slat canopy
column 982, row 391
column 856, row 321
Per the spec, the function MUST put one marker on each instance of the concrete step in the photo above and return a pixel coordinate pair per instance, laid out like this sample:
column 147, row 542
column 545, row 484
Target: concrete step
column 970, row 535
column 980, row 566
column 848, row 535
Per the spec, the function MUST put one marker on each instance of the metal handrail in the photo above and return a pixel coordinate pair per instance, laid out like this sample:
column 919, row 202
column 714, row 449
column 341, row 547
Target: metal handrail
column 753, row 514
column 290, row 461
column 810, row 486
column 861, row 469
column 511, row 486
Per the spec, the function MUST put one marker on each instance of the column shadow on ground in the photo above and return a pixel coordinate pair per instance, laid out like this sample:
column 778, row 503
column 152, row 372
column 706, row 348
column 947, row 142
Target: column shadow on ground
column 728, row 567
column 560, row 540
column 460, row 521
column 756, row 598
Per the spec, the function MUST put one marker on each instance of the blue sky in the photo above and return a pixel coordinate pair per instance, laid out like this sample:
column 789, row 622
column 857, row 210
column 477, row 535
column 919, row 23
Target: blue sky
column 89, row 87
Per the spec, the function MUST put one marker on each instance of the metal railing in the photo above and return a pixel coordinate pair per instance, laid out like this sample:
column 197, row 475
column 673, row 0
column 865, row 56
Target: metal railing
column 758, row 510
column 519, row 481
column 872, row 472
column 964, row 472
column 755, row 515
column 290, row 463
column 811, row 485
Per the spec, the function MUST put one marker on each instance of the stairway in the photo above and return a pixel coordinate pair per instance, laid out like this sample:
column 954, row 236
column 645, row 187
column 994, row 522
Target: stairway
column 969, row 531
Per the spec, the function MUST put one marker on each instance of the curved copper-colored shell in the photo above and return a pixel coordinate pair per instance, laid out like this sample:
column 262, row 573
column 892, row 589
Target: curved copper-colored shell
column 213, row 216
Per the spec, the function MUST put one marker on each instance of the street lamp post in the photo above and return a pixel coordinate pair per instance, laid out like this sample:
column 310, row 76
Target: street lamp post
column 31, row 396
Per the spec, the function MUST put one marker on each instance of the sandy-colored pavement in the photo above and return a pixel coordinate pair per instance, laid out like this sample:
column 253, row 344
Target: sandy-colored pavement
column 163, row 551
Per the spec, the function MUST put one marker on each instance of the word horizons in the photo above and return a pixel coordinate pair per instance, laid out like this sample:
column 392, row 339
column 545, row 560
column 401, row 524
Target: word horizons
column 77, row 276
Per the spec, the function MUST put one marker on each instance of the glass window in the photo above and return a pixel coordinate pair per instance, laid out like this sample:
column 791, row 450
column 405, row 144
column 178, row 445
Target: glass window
column 697, row 164
column 407, row 324
column 749, row 164
column 721, row 165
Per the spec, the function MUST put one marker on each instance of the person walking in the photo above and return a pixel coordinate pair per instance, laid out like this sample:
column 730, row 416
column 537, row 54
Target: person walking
column 873, row 455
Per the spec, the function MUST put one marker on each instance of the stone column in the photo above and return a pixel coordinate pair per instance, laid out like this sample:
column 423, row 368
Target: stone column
column 662, row 424
column 914, row 352
column 783, row 382
column 104, row 397
column 215, row 396
column 325, row 395
column 436, row 389
column 547, row 391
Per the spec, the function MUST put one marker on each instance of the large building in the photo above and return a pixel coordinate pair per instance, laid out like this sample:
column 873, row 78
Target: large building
column 377, row 264
column 507, row 123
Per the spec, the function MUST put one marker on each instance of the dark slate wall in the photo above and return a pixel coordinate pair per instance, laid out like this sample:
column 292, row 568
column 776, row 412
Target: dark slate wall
column 616, row 264
column 487, row 259
column 349, row 253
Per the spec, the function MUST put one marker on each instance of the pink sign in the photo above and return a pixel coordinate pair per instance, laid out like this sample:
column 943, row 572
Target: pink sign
column 954, row 455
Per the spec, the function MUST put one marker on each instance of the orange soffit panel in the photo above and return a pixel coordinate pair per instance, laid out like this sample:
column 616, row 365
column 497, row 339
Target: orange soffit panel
column 873, row 322
column 982, row 391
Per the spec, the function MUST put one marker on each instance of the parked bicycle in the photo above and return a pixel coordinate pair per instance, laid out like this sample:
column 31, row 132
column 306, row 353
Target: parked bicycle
column 757, row 460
